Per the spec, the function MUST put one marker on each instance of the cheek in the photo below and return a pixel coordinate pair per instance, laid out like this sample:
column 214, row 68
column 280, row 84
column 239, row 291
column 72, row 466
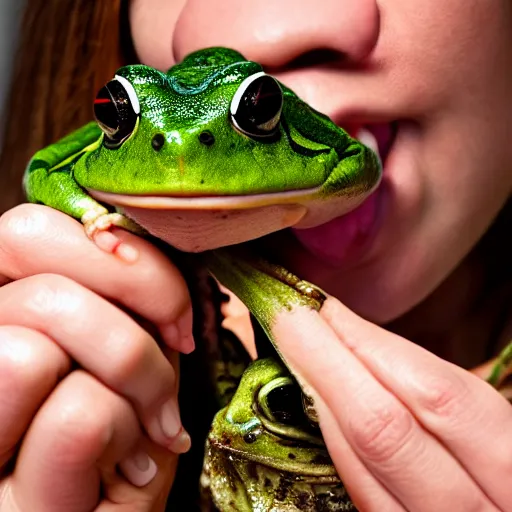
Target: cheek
column 152, row 25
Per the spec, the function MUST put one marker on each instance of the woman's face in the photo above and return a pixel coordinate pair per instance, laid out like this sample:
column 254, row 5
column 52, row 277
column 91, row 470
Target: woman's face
column 431, row 80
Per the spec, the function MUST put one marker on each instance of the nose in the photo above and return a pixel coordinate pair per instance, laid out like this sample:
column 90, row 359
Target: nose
column 276, row 33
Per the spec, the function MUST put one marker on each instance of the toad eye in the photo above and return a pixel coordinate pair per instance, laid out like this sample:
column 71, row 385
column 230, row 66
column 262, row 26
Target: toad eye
column 281, row 401
column 116, row 109
column 256, row 106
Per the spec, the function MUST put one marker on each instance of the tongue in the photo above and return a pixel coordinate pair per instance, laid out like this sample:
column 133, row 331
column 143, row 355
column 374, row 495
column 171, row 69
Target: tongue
column 339, row 238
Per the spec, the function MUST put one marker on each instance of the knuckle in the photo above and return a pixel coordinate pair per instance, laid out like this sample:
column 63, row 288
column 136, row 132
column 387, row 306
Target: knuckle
column 140, row 372
column 131, row 352
column 444, row 396
column 54, row 282
column 21, row 224
column 80, row 416
column 23, row 361
column 53, row 293
column 383, row 433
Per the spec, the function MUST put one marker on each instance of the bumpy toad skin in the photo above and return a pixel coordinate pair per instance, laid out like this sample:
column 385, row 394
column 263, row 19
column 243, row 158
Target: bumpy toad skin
column 262, row 455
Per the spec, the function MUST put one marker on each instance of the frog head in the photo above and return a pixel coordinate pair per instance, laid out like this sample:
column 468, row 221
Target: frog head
column 217, row 145
column 263, row 448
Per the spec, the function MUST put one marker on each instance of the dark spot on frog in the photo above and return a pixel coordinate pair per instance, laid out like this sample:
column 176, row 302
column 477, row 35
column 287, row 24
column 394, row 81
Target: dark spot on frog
column 158, row 141
column 226, row 441
column 321, row 459
column 224, row 216
column 202, row 182
column 292, row 456
column 206, row 138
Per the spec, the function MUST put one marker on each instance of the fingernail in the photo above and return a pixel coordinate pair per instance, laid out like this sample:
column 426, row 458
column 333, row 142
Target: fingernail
column 127, row 252
column 170, row 419
column 181, row 443
column 139, row 469
column 178, row 335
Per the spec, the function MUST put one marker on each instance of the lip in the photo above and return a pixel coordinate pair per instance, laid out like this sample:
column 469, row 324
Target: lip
column 344, row 240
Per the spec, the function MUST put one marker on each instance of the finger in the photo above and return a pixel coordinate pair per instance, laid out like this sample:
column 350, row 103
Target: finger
column 365, row 490
column 81, row 427
column 121, row 495
column 465, row 413
column 381, row 431
column 152, row 287
column 30, row 367
column 105, row 341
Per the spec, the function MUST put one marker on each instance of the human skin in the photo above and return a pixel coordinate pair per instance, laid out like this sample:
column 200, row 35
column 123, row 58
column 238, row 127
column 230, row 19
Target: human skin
column 414, row 63
column 407, row 431
column 372, row 63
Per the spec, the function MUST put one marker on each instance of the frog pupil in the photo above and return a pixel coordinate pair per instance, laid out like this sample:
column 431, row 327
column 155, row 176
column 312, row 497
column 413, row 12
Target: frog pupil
column 114, row 113
column 259, row 108
column 285, row 403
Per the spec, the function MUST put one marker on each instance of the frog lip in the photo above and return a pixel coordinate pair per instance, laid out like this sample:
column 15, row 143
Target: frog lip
column 318, row 206
column 233, row 202
column 314, row 473
column 228, row 220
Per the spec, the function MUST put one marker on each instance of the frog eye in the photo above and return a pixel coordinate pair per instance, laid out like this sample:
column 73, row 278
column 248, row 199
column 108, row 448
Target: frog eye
column 116, row 109
column 256, row 106
column 281, row 402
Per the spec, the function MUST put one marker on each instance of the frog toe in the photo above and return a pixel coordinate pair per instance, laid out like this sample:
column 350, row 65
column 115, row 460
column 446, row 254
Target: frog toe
column 98, row 227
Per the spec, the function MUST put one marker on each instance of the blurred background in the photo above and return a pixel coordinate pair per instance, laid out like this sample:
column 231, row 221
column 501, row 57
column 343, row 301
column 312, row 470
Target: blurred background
column 10, row 18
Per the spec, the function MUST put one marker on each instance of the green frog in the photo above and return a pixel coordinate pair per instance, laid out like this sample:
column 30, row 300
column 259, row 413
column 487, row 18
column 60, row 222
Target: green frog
column 210, row 154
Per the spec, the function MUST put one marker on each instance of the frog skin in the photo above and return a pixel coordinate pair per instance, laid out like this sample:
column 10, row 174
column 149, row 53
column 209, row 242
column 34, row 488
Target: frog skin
column 212, row 153
column 263, row 454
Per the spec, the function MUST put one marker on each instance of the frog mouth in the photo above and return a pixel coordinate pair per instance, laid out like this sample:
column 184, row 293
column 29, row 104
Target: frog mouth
column 196, row 224
column 306, row 471
column 207, row 202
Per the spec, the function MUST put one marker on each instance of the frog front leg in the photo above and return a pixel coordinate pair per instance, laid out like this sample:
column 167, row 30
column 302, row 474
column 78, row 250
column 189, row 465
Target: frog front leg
column 49, row 180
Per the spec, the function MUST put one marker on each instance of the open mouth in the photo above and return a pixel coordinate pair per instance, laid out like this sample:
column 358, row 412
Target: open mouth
column 379, row 137
column 343, row 239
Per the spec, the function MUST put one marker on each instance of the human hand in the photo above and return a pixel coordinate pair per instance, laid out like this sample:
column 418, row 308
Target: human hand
column 405, row 429
column 85, row 391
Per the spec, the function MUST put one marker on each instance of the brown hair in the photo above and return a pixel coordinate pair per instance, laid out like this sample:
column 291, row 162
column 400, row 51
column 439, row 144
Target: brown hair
column 67, row 51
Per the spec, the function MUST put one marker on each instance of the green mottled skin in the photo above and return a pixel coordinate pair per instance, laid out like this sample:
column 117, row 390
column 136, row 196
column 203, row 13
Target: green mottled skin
column 249, row 466
column 286, row 467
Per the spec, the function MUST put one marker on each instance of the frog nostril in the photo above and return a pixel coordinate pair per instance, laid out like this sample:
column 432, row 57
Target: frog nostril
column 206, row 138
column 157, row 142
